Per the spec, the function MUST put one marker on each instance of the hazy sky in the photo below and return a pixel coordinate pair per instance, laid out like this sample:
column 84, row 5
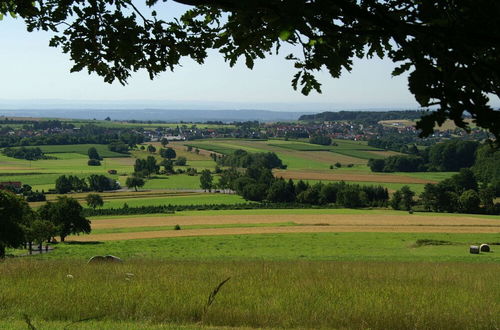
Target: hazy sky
column 31, row 70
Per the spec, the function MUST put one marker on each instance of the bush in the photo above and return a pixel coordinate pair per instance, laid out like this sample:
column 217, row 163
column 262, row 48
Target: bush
column 35, row 197
column 321, row 140
column 94, row 162
column 181, row 161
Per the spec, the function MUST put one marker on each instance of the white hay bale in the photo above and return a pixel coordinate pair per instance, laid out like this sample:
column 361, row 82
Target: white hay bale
column 484, row 248
column 107, row 258
column 474, row 249
column 110, row 258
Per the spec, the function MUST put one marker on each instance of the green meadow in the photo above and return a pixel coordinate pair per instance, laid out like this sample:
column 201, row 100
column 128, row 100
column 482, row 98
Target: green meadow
column 257, row 294
column 328, row 246
column 191, row 199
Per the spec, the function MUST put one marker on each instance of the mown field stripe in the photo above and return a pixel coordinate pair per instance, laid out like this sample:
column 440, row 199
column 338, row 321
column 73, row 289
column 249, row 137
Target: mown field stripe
column 286, row 230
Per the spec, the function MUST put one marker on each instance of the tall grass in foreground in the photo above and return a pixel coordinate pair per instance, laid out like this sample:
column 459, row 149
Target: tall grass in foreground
column 385, row 295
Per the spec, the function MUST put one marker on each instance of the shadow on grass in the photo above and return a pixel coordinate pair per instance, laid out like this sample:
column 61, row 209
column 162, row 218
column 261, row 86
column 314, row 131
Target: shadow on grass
column 83, row 243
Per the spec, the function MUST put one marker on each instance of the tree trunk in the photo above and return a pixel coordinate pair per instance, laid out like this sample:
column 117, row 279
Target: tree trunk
column 2, row 251
column 62, row 238
column 135, row 188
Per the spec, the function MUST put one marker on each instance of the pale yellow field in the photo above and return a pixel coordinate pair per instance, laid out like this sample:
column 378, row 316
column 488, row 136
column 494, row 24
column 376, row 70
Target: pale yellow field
column 305, row 223
column 181, row 151
column 310, row 175
column 383, row 153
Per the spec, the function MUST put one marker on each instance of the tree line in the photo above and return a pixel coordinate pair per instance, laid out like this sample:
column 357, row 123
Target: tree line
column 24, row 153
column 257, row 183
column 369, row 117
column 460, row 193
column 94, row 182
column 451, row 155
column 86, row 134
column 243, row 159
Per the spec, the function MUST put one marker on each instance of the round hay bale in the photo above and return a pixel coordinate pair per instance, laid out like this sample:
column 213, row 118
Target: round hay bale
column 484, row 248
column 110, row 258
column 96, row 259
column 474, row 249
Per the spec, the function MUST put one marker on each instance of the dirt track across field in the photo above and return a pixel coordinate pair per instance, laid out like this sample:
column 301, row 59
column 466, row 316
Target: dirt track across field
column 305, row 224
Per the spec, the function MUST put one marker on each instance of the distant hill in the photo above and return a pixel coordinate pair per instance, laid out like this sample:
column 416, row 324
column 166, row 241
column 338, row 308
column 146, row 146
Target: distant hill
column 365, row 116
column 160, row 115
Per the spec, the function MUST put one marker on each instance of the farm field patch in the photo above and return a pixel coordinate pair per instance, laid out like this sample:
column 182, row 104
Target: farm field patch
column 188, row 199
column 304, row 224
column 382, row 178
column 80, row 149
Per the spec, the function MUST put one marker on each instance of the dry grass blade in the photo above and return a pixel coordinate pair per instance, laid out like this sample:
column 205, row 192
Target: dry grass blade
column 27, row 319
column 213, row 294
column 83, row 320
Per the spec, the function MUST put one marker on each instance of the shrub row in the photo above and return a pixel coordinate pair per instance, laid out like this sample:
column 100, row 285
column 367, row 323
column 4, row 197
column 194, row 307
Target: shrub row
column 170, row 209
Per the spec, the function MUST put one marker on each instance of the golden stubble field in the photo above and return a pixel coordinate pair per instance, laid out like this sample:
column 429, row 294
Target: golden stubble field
column 381, row 178
column 310, row 223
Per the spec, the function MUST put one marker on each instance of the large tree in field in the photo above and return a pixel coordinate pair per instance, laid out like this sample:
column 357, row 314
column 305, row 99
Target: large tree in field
column 66, row 215
column 13, row 212
column 134, row 182
column 449, row 47
column 94, row 200
column 206, row 180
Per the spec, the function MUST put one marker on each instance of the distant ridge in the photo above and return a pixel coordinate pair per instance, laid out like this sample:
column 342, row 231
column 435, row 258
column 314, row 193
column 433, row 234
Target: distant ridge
column 160, row 115
column 366, row 116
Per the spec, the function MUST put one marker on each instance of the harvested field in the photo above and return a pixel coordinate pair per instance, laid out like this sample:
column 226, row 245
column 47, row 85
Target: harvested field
column 17, row 168
column 285, row 230
column 305, row 223
column 121, row 161
column 383, row 153
column 129, row 194
column 310, row 175
column 302, row 219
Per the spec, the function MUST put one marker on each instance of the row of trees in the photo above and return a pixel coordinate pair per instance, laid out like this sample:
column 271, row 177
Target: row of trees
column 460, row 193
column 119, row 139
column 243, row 159
column 447, row 156
column 19, row 224
column 258, row 184
column 24, row 153
column 94, row 182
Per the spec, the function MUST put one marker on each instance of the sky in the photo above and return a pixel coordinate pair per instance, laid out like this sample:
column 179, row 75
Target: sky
column 36, row 75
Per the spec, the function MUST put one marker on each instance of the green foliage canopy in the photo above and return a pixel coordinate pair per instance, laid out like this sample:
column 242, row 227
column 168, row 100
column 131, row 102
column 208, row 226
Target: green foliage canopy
column 66, row 215
column 13, row 211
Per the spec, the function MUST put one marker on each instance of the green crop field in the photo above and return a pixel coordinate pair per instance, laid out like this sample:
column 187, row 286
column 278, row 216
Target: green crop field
column 81, row 149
